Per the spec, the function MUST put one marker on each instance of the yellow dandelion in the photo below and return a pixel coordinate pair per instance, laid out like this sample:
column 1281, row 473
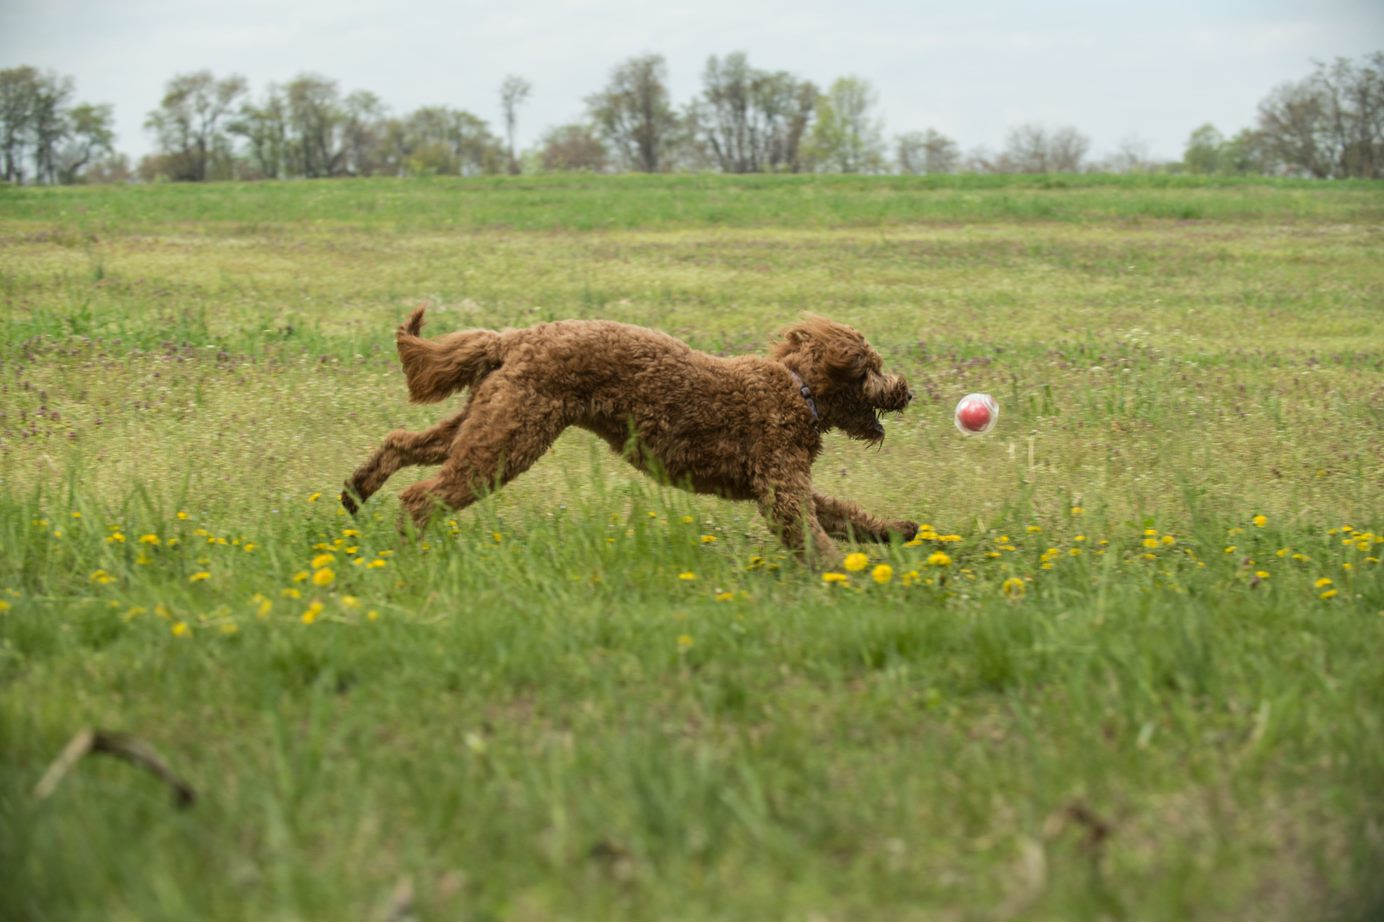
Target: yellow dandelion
column 856, row 562
column 230, row 628
column 321, row 560
column 831, row 576
column 149, row 539
column 350, row 601
column 290, row 593
column 1260, row 521
column 116, row 538
column 910, row 578
column 376, row 563
column 1262, row 574
column 1074, row 552
column 687, row 576
column 372, row 615
column 1168, row 540
column 756, row 563
column 314, row 497
column 938, row 559
column 685, row 641
column 688, row 520
column 265, row 607
column 199, row 577
column 350, row 533
column 1077, row 510
column 1323, row 582
column 882, row 573
column 313, row 610
column 1329, row 594
column 949, row 539
column 1013, row 587
column 708, row 539
column 1079, row 538
column 724, row 596
column 1034, row 529
column 497, row 537
column 1150, row 542
column 323, row 577
column 4, row 606
column 101, row 577
column 180, row 629
column 1230, row 548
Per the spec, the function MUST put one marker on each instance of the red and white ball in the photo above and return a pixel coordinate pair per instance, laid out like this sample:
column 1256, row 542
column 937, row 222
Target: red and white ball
column 976, row 414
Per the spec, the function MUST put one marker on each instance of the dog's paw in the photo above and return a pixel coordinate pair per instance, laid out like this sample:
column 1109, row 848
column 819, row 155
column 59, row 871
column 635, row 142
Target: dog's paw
column 348, row 500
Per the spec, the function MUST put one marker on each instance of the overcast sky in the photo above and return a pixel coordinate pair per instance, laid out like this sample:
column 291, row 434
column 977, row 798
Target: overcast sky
column 969, row 68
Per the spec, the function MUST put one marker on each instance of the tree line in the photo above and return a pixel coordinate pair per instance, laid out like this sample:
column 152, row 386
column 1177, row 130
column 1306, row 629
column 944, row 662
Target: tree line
column 1329, row 124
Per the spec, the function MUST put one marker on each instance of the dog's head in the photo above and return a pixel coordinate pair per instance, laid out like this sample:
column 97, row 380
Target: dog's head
column 845, row 375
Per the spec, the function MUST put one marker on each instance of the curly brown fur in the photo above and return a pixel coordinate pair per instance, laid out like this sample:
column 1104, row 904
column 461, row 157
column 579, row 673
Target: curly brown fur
column 735, row 427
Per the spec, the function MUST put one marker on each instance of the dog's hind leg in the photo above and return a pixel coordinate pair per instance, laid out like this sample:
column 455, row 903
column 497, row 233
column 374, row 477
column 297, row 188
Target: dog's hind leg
column 498, row 441
column 844, row 519
column 400, row 448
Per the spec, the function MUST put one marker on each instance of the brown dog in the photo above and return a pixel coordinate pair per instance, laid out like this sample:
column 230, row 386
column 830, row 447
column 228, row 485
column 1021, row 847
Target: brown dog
column 741, row 428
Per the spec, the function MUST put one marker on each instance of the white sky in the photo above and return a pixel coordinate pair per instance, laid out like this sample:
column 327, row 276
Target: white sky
column 969, row 68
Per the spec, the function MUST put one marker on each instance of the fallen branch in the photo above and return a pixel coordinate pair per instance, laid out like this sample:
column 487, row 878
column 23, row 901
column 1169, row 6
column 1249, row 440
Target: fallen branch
column 122, row 746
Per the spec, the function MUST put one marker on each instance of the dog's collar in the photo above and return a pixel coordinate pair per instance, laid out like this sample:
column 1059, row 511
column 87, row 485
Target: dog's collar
column 807, row 394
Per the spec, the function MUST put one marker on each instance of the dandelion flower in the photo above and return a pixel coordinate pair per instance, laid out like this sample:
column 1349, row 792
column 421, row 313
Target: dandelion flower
column 313, row 610
column 688, row 520
column 882, row 573
column 938, row 559
column 199, row 576
column 101, row 577
column 724, row 596
column 180, row 629
column 685, row 641
column 909, row 578
column 182, row 516
column 1013, row 587
column 1329, row 594
column 4, row 606
column 149, row 539
column 856, row 562
column 323, row 577
column 687, row 576
column 376, row 563
column 1260, row 521
column 1034, row 529
column 1323, row 582
column 290, row 593
column 831, row 576
column 1150, row 542
column 1262, row 574
column 350, row 601
column 372, row 615
column 708, row 539
column 314, row 497
column 321, row 560
column 116, row 538
column 949, row 539
column 1077, row 510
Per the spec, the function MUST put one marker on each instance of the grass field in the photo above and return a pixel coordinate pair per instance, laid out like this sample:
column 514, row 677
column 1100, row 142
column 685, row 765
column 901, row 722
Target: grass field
column 1132, row 669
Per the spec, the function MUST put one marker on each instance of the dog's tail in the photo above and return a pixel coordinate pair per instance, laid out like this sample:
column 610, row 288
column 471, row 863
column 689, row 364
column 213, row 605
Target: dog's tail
column 436, row 368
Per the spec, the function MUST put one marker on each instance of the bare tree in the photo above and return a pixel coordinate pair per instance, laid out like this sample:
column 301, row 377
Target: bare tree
column 752, row 120
column 513, row 93
column 569, row 148
column 634, row 114
column 928, row 152
column 1032, row 148
column 1330, row 125
column 189, row 123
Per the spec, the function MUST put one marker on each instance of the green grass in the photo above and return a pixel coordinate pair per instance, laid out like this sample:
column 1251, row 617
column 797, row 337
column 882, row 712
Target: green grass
column 591, row 696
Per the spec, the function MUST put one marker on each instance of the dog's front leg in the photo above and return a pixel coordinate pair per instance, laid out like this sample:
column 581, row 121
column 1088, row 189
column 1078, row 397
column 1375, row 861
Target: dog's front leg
column 844, row 519
column 793, row 517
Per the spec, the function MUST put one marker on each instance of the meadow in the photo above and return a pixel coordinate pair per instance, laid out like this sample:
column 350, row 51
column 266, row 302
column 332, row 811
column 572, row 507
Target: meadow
column 1129, row 670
